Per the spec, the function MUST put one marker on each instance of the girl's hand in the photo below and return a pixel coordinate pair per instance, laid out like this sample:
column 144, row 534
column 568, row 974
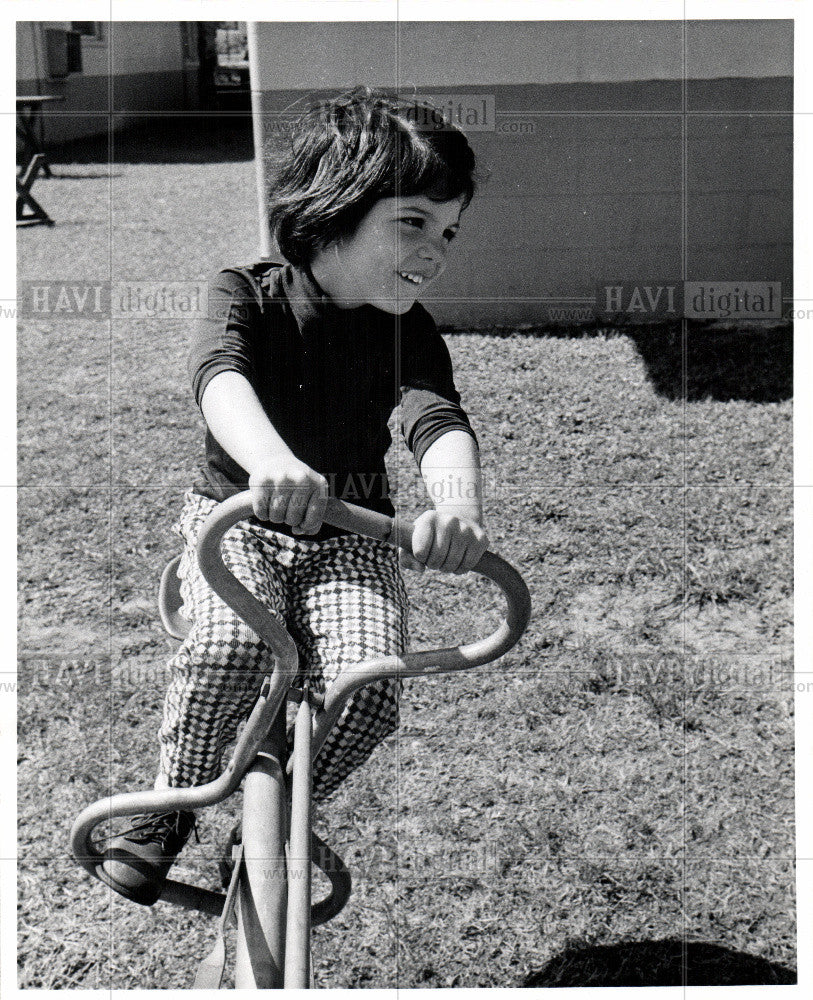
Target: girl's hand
column 287, row 491
column 446, row 542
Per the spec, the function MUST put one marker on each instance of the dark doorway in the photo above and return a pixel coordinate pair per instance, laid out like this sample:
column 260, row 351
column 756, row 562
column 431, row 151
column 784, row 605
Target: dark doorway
column 223, row 66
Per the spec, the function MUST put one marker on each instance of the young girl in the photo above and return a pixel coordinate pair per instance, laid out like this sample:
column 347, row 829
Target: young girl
column 297, row 372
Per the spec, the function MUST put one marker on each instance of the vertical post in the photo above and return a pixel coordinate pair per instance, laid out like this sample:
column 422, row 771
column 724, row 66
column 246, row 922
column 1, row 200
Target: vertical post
column 297, row 951
column 255, row 80
column 262, row 895
column 207, row 64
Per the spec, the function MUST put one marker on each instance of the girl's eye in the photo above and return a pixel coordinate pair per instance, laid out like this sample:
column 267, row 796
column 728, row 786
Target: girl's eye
column 418, row 222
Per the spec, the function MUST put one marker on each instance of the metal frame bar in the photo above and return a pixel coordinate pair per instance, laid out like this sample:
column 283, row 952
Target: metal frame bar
column 298, row 928
column 262, row 894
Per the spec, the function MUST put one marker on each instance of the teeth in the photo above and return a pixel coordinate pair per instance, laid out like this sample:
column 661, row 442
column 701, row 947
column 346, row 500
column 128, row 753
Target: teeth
column 416, row 279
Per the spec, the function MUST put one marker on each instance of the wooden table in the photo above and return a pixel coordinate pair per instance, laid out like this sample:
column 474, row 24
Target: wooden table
column 34, row 161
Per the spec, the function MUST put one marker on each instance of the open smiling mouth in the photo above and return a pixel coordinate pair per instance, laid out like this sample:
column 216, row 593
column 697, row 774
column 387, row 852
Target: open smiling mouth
column 411, row 277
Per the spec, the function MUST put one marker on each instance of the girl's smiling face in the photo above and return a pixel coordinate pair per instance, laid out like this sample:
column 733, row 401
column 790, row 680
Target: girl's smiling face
column 398, row 248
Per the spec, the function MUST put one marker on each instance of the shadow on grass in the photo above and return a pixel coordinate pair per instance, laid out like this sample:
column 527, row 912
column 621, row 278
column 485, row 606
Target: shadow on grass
column 659, row 963
column 165, row 139
column 753, row 364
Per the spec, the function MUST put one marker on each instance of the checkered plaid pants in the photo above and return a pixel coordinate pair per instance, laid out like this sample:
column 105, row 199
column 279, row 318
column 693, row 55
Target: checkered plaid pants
column 342, row 600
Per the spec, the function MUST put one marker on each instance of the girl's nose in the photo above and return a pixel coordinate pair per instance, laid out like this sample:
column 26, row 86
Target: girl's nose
column 433, row 250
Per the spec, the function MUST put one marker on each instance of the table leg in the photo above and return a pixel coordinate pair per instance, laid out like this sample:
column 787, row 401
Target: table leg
column 27, row 122
column 24, row 197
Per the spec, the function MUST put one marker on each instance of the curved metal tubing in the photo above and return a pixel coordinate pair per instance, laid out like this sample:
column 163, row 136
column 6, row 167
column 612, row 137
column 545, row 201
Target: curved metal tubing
column 397, row 532
column 351, row 518
column 169, row 601
column 341, row 884
column 164, row 800
column 435, row 661
column 193, row 897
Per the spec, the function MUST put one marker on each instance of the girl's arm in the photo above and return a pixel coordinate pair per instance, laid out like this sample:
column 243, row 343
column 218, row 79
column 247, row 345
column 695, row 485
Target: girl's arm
column 284, row 490
column 451, row 537
column 235, row 416
column 451, row 471
column 438, row 433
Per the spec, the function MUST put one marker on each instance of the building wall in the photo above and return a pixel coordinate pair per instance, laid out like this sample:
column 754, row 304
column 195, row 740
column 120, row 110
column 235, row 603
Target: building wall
column 585, row 153
column 140, row 69
column 455, row 53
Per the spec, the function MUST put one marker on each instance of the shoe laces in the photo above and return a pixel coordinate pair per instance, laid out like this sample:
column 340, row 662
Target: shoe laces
column 172, row 829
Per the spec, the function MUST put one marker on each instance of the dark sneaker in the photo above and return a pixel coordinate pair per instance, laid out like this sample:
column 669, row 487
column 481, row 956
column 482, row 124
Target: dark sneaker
column 138, row 860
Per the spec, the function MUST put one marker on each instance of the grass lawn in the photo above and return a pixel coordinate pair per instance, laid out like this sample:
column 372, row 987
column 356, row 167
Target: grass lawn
column 610, row 802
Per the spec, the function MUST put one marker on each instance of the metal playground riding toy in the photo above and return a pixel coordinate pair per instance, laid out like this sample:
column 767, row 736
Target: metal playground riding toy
column 269, row 876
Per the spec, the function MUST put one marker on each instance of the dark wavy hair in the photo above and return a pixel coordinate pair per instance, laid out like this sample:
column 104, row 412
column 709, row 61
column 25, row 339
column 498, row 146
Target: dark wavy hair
column 346, row 153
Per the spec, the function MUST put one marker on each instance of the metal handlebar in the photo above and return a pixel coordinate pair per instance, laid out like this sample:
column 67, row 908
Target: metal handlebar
column 369, row 524
column 349, row 517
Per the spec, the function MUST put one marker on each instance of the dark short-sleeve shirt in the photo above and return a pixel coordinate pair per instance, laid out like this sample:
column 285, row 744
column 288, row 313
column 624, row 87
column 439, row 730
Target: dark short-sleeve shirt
column 327, row 378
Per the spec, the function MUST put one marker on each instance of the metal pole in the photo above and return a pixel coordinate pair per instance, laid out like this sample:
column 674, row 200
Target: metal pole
column 263, row 890
column 297, row 950
column 255, row 81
